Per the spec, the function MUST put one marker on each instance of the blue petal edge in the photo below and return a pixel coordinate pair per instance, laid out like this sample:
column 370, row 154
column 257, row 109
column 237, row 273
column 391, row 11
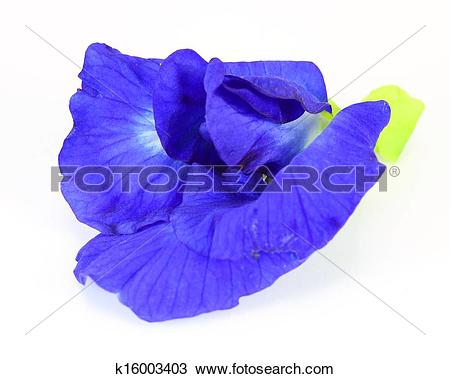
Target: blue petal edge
column 113, row 125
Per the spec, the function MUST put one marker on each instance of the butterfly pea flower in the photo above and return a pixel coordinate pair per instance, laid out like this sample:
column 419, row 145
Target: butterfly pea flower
column 178, row 254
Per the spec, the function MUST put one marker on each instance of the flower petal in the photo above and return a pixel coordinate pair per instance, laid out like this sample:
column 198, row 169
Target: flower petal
column 159, row 278
column 253, row 110
column 300, row 221
column 304, row 75
column 285, row 100
column 109, row 73
column 113, row 125
column 179, row 106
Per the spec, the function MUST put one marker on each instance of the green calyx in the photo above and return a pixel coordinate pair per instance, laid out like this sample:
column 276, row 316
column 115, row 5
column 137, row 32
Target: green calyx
column 405, row 112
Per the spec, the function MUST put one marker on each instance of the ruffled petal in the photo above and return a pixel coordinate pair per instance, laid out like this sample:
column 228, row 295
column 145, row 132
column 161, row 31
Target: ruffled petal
column 303, row 75
column 254, row 110
column 113, row 126
column 274, row 98
column 159, row 278
column 179, row 107
column 299, row 221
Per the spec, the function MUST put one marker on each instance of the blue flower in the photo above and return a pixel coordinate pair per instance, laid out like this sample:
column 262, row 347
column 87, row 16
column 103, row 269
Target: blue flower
column 178, row 254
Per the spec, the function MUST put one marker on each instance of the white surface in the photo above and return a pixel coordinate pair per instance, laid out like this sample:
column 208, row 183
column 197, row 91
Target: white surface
column 396, row 244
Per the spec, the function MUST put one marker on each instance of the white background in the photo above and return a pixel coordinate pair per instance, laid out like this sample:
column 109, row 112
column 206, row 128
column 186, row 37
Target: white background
column 396, row 244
